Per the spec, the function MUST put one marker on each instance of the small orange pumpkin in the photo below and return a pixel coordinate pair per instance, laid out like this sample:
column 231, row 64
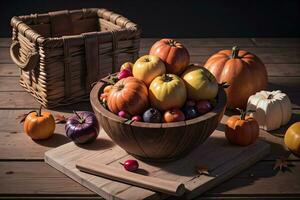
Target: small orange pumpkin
column 129, row 95
column 242, row 130
column 39, row 125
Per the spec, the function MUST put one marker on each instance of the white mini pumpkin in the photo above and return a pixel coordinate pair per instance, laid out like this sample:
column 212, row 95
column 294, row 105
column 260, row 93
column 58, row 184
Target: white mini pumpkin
column 272, row 109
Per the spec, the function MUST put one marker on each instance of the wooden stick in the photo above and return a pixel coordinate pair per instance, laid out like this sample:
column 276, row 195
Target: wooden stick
column 148, row 182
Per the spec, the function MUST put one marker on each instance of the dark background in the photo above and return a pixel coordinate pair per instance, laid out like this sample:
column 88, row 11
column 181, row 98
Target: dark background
column 202, row 18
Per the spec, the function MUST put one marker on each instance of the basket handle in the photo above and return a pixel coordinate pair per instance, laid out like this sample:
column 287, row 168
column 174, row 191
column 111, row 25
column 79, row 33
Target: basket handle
column 31, row 60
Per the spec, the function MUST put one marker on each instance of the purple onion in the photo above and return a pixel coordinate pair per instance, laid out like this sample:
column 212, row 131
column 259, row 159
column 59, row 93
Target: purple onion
column 82, row 127
column 124, row 74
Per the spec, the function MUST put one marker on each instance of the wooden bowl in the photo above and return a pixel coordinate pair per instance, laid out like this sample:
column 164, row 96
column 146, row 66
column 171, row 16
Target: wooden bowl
column 157, row 141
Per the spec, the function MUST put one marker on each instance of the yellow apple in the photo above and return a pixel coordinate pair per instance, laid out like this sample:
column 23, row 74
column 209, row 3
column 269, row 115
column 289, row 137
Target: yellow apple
column 147, row 67
column 200, row 83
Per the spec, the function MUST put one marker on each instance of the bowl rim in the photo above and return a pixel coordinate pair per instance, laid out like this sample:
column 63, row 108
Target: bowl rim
column 95, row 102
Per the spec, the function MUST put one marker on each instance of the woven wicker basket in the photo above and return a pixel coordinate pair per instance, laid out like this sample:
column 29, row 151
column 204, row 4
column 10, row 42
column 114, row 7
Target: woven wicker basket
column 62, row 53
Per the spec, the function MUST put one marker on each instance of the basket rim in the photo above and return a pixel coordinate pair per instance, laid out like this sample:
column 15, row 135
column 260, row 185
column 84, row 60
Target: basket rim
column 20, row 25
column 96, row 105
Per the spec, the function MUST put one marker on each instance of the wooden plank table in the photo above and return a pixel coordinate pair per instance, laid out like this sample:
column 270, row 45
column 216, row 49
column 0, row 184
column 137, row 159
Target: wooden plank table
column 23, row 173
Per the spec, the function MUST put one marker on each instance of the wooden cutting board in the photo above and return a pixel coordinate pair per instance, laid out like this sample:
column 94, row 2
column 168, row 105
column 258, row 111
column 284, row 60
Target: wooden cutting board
column 222, row 159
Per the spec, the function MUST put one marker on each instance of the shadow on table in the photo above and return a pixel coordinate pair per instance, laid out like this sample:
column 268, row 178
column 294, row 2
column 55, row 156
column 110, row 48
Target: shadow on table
column 82, row 106
column 59, row 139
column 55, row 141
column 98, row 144
column 261, row 170
column 281, row 131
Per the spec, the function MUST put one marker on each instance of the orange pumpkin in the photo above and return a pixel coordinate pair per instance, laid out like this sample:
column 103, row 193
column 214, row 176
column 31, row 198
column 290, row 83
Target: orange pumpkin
column 129, row 95
column 243, row 71
column 39, row 125
column 242, row 130
column 175, row 56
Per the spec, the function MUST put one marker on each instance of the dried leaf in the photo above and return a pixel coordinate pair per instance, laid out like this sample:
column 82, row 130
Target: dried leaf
column 21, row 117
column 202, row 170
column 281, row 164
column 60, row 119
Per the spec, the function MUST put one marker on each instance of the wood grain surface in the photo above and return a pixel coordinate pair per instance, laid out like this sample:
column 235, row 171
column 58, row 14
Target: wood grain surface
column 221, row 159
column 24, row 174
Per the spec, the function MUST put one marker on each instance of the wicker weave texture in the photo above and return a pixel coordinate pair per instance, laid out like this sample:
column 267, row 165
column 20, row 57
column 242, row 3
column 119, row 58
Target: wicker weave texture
column 62, row 53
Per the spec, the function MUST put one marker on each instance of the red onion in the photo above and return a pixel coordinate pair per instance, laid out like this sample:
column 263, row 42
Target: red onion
column 124, row 74
column 82, row 127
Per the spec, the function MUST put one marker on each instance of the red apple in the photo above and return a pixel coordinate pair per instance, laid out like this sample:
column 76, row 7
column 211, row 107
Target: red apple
column 174, row 115
column 203, row 106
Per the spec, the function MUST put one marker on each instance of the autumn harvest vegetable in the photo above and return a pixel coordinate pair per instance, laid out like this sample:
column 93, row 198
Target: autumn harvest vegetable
column 129, row 95
column 168, row 93
column 242, row 129
column 39, row 125
column 184, row 107
column 272, row 109
column 175, row 56
column 82, row 127
column 243, row 71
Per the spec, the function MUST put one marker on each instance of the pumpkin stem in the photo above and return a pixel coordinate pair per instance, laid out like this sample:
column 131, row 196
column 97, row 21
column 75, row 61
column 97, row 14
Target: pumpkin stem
column 80, row 119
column 242, row 113
column 172, row 43
column 39, row 112
column 270, row 96
column 167, row 78
column 235, row 52
column 120, row 87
